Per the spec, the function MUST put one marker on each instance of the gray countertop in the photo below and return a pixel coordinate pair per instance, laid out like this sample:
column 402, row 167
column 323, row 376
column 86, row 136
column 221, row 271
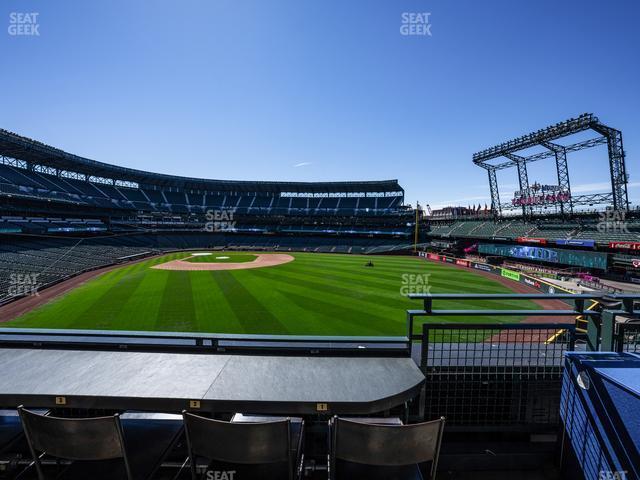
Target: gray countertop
column 172, row 382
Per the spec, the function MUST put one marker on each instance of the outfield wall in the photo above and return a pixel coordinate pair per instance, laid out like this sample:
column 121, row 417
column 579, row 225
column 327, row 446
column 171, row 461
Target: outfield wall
column 533, row 282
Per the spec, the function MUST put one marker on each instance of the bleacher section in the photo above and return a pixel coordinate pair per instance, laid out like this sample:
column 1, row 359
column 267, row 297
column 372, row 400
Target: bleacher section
column 42, row 261
column 550, row 230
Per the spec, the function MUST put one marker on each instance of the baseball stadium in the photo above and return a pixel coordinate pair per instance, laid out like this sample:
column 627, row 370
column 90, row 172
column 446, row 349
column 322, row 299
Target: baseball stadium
column 96, row 255
column 319, row 240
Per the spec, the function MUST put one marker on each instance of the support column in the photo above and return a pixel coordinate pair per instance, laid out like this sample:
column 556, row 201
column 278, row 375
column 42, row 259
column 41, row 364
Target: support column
column 562, row 168
column 523, row 179
column 617, row 166
column 495, row 194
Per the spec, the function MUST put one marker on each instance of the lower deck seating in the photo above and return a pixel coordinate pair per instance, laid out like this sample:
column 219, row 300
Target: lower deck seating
column 26, row 266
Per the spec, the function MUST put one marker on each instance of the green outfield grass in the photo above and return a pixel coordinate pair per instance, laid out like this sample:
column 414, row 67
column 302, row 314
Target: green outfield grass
column 221, row 257
column 317, row 294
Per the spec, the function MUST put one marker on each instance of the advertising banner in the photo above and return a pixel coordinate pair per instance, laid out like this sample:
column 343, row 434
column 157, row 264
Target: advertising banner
column 539, row 241
column 433, row 256
column 484, row 267
column 625, row 245
column 531, row 282
column 510, row 274
column 462, row 263
column 577, row 243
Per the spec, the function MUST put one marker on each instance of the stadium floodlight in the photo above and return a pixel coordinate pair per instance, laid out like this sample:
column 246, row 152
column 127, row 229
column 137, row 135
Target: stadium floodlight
column 547, row 138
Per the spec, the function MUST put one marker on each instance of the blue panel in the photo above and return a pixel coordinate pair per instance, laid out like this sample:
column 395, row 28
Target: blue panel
column 577, row 243
column 600, row 405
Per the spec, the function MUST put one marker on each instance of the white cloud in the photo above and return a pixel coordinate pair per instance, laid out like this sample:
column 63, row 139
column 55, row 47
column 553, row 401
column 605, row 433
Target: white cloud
column 302, row 164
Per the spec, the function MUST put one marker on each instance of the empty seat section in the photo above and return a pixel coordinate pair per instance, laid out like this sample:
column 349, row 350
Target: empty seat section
column 49, row 182
column 367, row 202
column 385, row 202
column 395, row 202
column 314, row 203
column 176, row 208
column 282, row 204
column 154, row 195
column 195, row 199
column 329, row 203
column 232, row 201
column 262, row 202
column 86, row 188
column 347, row 206
column 176, row 198
column 299, row 203
column 111, row 191
column 142, row 206
column 18, row 177
column 245, row 202
column 132, row 194
column 214, row 201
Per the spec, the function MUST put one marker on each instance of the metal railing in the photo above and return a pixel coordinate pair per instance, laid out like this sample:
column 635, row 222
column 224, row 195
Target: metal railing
column 509, row 376
column 628, row 338
column 204, row 342
column 599, row 286
column 602, row 329
column 494, row 375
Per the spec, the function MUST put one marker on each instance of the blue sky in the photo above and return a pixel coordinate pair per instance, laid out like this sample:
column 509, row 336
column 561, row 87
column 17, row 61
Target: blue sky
column 322, row 90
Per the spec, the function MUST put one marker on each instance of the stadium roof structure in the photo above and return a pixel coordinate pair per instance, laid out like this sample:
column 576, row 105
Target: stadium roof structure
column 22, row 148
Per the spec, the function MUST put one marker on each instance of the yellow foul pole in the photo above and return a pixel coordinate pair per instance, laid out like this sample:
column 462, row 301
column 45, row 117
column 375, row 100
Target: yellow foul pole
column 415, row 236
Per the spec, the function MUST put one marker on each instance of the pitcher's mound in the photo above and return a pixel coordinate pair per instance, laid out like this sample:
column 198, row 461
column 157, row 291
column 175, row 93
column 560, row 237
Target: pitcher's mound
column 262, row 260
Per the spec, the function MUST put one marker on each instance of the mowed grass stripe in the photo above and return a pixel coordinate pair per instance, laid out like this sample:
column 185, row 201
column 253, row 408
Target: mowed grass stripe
column 369, row 277
column 252, row 315
column 292, row 316
column 103, row 312
column 383, row 275
column 212, row 310
column 141, row 309
column 177, row 311
column 350, row 291
column 317, row 311
column 306, row 316
column 337, row 314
